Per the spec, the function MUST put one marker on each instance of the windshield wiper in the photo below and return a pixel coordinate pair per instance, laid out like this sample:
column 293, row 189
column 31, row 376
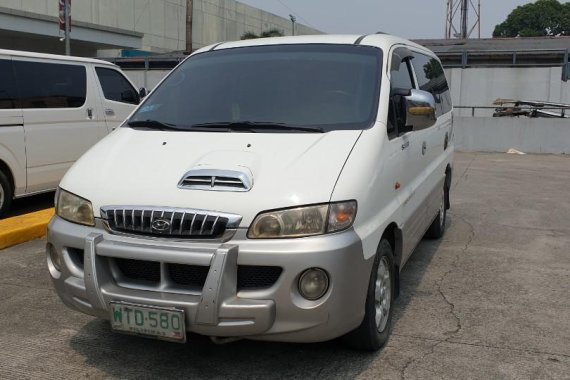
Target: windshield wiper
column 254, row 126
column 153, row 124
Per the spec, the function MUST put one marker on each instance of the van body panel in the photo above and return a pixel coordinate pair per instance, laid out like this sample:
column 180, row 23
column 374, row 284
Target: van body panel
column 115, row 112
column 13, row 149
column 288, row 169
column 57, row 137
column 369, row 176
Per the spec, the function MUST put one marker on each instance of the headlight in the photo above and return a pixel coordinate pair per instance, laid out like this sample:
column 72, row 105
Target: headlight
column 73, row 208
column 303, row 221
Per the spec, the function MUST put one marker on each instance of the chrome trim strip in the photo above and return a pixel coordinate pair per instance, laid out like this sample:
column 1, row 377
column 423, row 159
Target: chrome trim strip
column 206, row 179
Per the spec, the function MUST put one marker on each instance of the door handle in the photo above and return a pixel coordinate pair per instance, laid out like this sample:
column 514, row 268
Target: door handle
column 109, row 112
column 405, row 145
column 424, row 148
column 90, row 113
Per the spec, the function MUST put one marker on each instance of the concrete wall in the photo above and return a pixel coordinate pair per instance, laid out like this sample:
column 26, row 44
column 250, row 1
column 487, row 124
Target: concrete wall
column 480, row 87
column 227, row 20
column 163, row 22
column 477, row 130
column 488, row 134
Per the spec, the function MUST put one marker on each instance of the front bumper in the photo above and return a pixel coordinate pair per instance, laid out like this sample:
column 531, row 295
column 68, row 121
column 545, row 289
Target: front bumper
column 88, row 281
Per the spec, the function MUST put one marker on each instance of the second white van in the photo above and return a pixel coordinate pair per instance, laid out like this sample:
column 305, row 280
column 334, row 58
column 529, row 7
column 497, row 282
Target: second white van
column 52, row 109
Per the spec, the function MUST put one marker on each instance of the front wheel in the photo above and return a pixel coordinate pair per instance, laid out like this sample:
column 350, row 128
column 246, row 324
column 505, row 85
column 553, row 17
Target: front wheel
column 375, row 329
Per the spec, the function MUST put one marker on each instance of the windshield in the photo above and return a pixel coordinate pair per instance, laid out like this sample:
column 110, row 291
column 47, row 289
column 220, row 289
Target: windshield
column 282, row 88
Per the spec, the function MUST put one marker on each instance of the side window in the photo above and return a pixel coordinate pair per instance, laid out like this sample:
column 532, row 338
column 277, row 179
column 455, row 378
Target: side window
column 400, row 81
column 8, row 86
column 431, row 78
column 116, row 87
column 51, row 85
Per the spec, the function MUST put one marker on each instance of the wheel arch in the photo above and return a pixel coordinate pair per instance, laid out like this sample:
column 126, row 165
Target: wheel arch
column 393, row 234
column 448, row 174
column 4, row 168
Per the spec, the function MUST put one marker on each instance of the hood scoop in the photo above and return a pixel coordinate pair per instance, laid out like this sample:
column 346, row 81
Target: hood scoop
column 216, row 180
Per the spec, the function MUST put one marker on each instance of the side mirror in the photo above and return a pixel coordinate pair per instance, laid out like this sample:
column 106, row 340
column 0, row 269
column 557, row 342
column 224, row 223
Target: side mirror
column 143, row 92
column 420, row 110
column 129, row 96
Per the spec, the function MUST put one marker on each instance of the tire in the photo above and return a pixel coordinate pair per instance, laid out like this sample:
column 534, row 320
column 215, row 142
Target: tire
column 373, row 332
column 437, row 228
column 6, row 194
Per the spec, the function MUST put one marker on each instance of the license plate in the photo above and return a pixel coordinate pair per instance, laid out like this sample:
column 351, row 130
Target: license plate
column 149, row 321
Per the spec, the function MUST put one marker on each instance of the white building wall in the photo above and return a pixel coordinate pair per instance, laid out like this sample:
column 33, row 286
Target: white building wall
column 163, row 22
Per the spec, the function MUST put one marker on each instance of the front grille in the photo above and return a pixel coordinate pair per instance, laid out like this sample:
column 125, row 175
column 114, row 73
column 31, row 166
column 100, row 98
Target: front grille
column 194, row 276
column 138, row 270
column 175, row 223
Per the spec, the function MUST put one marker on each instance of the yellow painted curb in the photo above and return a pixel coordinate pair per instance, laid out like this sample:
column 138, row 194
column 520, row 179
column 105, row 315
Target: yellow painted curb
column 23, row 228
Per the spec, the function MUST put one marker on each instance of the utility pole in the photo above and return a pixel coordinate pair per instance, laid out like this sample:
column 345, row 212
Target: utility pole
column 67, row 27
column 65, row 24
column 293, row 21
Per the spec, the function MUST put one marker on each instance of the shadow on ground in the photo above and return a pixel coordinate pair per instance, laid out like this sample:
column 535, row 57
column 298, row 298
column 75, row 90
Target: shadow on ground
column 31, row 204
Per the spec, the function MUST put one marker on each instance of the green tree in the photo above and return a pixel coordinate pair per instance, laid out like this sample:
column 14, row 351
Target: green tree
column 265, row 34
column 541, row 18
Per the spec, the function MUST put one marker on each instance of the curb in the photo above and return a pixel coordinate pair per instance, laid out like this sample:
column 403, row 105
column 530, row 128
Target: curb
column 23, row 228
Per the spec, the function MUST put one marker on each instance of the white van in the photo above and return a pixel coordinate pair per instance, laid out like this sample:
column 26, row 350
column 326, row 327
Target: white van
column 267, row 189
column 52, row 109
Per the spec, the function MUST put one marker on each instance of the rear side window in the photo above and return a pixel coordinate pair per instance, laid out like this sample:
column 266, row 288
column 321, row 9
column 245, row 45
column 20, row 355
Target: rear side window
column 116, row 87
column 51, row 85
column 8, row 87
column 431, row 78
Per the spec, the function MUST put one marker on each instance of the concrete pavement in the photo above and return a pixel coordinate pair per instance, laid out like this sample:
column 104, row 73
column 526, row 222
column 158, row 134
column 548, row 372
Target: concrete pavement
column 490, row 300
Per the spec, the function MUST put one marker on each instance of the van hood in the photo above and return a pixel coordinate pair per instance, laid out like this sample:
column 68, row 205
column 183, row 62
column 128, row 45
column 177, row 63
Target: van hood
column 145, row 168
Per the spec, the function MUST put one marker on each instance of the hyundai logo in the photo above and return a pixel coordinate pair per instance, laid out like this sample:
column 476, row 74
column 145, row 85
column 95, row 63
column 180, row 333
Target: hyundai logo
column 160, row 225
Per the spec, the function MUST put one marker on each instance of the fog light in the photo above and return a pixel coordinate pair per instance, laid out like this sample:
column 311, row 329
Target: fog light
column 54, row 257
column 313, row 283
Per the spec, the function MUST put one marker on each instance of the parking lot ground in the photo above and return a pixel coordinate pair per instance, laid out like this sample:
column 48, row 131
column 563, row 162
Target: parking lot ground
column 489, row 300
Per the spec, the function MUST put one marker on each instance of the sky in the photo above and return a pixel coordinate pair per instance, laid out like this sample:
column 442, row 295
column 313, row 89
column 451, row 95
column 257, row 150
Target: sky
column 404, row 18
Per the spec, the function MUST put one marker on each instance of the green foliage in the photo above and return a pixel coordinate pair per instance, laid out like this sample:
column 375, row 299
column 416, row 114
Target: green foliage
column 249, row 36
column 541, row 18
column 272, row 33
column 268, row 33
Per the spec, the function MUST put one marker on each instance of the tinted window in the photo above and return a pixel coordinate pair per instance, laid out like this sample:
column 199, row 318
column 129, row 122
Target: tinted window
column 325, row 86
column 400, row 79
column 51, row 85
column 8, row 87
column 431, row 78
column 116, row 87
